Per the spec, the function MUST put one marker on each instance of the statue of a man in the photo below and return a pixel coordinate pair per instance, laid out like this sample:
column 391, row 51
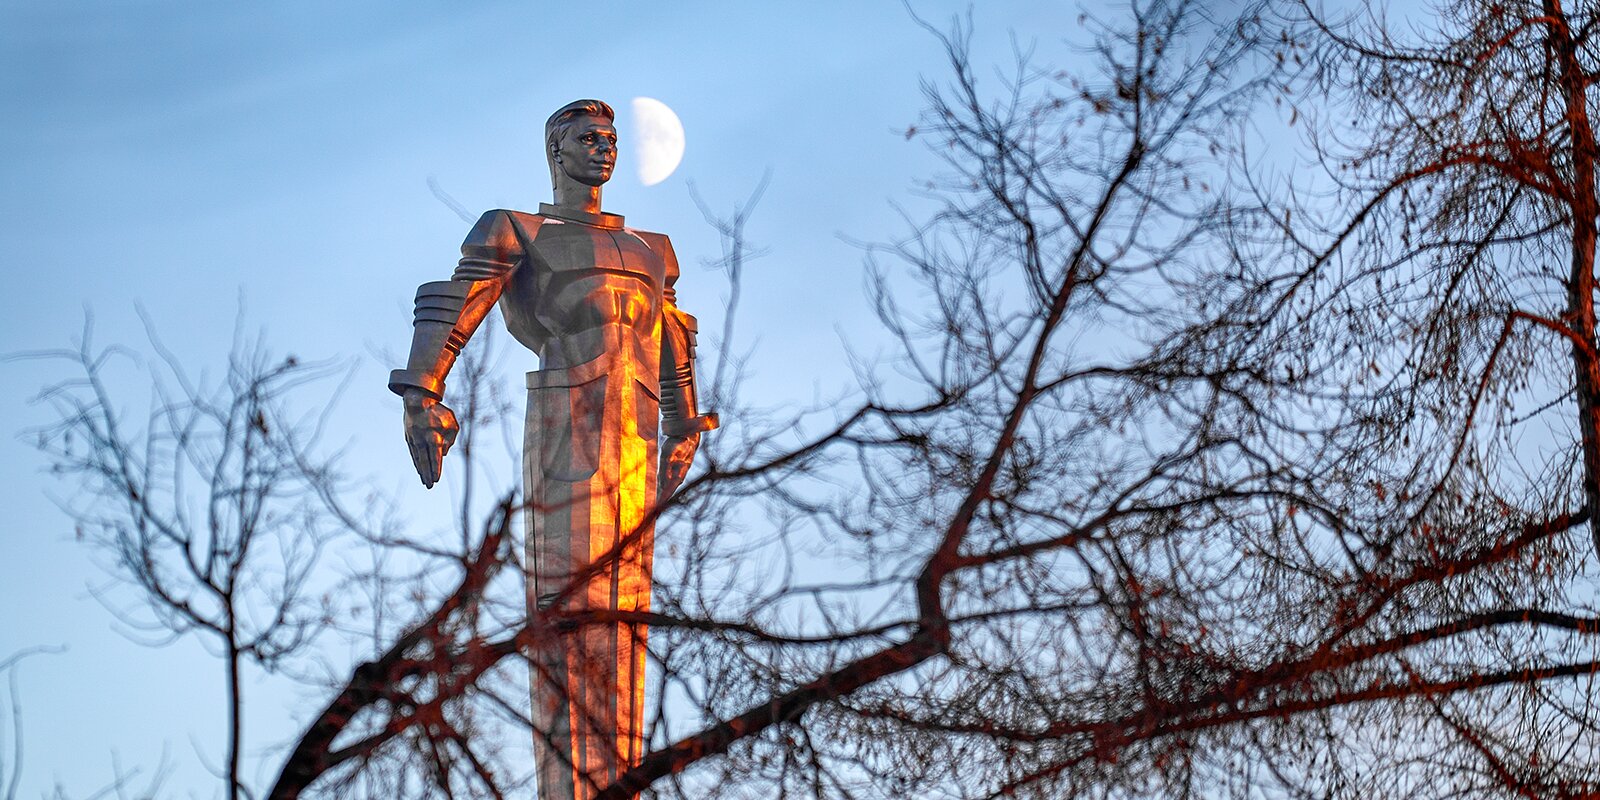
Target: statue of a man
column 595, row 301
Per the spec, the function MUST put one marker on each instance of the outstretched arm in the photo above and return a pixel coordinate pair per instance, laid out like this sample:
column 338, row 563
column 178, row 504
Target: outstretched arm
column 681, row 423
column 447, row 314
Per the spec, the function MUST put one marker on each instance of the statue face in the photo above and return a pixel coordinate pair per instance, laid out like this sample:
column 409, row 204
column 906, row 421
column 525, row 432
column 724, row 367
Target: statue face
column 588, row 151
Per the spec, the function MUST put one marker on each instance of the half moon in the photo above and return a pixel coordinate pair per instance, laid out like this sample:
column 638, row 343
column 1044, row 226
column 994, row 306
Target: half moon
column 657, row 140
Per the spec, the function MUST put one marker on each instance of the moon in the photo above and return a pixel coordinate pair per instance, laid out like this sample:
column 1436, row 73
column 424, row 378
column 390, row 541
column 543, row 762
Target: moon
column 657, row 140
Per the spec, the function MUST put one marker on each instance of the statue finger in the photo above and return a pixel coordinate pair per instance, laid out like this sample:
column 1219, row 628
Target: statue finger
column 447, row 438
column 674, row 478
column 435, row 455
column 419, row 459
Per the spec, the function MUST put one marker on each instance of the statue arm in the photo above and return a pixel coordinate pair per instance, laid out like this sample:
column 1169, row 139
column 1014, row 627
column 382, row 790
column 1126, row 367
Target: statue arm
column 445, row 317
column 681, row 422
column 679, row 416
column 448, row 312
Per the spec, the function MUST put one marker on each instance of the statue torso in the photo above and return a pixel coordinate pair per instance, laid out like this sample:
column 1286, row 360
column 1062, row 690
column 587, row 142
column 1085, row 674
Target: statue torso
column 587, row 291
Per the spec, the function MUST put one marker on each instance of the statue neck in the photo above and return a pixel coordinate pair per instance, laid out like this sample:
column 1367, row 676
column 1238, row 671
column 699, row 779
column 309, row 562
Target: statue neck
column 577, row 196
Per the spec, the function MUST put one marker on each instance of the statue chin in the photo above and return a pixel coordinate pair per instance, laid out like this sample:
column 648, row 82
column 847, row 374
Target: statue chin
column 587, row 178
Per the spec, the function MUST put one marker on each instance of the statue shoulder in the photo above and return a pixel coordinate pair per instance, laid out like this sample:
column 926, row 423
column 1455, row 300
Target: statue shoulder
column 661, row 246
column 496, row 243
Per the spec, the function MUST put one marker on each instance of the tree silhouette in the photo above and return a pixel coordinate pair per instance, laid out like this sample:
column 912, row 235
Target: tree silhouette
column 1184, row 481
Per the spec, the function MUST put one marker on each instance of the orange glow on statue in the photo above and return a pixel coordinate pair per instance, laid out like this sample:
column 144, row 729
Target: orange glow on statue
column 595, row 301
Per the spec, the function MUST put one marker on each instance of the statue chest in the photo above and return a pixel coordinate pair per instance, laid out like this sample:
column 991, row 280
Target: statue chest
column 586, row 277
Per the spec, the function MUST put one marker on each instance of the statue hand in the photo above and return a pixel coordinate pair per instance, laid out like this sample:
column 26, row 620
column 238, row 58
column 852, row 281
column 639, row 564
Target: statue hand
column 431, row 429
column 677, row 454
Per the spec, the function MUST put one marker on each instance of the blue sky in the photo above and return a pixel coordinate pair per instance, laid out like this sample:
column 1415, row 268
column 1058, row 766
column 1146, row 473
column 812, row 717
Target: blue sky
column 191, row 156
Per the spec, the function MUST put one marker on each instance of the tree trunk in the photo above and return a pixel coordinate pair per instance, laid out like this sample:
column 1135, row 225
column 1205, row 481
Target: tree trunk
column 1581, row 282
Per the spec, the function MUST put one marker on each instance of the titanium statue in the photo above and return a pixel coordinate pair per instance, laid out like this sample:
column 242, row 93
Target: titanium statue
column 595, row 301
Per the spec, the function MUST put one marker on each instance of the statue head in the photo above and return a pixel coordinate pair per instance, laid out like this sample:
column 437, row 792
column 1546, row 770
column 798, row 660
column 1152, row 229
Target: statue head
column 581, row 142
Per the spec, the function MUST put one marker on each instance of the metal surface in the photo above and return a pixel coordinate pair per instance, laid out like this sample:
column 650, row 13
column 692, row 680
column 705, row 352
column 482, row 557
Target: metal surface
column 595, row 300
